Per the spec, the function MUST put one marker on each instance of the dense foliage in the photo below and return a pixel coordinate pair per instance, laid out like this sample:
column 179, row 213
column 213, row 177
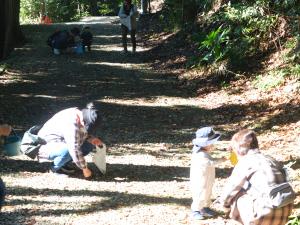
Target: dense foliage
column 67, row 10
column 235, row 30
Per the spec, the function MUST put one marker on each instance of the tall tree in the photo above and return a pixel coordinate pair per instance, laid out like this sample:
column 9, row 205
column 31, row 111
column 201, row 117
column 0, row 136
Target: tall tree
column 10, row 34
column 93, row 7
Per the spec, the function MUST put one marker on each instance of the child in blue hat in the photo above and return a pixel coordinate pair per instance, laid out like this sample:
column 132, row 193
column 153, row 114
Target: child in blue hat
column 202, row 173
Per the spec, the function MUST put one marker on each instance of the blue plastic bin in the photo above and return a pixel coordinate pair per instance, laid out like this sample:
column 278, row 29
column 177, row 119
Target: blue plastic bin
column 12, row 145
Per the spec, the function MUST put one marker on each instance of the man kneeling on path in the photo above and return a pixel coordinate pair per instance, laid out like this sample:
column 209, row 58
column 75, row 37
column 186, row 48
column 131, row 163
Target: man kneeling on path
column 69, row 136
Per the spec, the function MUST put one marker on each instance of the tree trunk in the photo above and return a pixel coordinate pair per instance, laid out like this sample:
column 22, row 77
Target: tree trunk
column 2, row 27
column 144, row 5
column 93, row 7
column 11, row 34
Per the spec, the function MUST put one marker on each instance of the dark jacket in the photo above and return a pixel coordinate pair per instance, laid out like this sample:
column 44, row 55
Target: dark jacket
column 2, row 193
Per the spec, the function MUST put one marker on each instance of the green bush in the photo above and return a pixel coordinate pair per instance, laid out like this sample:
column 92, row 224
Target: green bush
column 294, row 221
column 58, row 11
column 214, row 45
column 270, row 80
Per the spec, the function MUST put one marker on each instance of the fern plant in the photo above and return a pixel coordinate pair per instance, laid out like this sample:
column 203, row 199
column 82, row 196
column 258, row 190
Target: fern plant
column 214, row 45
column 294, row 221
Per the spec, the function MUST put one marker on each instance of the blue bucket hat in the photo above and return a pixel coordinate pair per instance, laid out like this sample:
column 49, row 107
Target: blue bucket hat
column 205, row 136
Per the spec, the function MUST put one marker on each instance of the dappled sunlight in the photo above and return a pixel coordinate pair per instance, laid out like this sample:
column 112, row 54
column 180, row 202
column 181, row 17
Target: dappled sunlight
column 100, row 20
column 56, row 202
column 107, row 36
column 117, row 65
column 37, row 96
column 165, row 101
column 149, row 121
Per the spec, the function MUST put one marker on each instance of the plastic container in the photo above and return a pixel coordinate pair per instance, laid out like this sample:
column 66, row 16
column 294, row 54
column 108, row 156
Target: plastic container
column 99, row 158
column 233, row 158
column 79, row 49
column 12, row 145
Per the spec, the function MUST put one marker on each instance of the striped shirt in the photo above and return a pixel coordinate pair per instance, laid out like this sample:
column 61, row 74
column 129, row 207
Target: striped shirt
column 246, row 205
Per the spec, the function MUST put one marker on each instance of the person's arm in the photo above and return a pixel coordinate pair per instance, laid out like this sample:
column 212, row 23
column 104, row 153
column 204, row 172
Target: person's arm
column 73, row 138
column 134, row 12
column 77, row 155
column 122, row 13
column 234, row 185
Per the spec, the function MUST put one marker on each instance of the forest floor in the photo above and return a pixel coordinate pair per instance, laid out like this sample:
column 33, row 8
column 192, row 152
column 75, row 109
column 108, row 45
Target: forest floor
column 150, row 118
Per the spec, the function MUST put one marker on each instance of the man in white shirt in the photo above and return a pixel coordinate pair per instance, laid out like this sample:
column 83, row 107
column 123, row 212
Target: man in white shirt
column 128, row 14
column 69, row 137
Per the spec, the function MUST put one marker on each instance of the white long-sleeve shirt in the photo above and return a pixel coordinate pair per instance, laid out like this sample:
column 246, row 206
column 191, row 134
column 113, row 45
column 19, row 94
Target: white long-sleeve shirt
column 128, row 20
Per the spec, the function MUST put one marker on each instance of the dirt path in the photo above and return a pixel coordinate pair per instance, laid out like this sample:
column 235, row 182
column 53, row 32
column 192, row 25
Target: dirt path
column 149, row 122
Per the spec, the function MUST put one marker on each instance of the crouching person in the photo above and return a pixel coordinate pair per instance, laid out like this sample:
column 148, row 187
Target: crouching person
column 70, row 136
column 246, row 195
column 2, row 193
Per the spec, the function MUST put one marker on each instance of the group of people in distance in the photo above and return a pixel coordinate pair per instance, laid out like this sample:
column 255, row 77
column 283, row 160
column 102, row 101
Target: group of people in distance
column 63, row 41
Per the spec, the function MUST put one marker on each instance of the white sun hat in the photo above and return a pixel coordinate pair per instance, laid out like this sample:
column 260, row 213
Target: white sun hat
column 205, row 136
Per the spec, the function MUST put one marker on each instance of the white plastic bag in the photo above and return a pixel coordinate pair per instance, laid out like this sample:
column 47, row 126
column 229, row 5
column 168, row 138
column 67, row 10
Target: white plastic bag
column 99, row 158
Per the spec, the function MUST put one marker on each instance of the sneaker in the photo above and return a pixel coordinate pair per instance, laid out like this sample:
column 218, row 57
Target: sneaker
column 70, row 166
column 207, row 212
column 63, row 170
column 57, row 173
column 197, row 215
column 66, row 170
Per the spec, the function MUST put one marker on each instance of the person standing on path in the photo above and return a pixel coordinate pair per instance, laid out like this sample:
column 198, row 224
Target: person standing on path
column 70, row 136
column 202, row 173
column 128, row 14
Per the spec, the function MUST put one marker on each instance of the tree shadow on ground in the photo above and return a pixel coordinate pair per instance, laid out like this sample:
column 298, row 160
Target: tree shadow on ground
column 115, row 172
column 289, row 113
column 111, row 200
column 137, row 124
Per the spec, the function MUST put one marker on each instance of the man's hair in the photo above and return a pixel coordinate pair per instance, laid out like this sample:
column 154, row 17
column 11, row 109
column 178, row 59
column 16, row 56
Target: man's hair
column 244, row 140
column 91, row 118
column 75, row 31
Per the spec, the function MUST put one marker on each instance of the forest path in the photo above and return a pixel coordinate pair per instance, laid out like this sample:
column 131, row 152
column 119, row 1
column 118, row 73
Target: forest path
column 149, row 122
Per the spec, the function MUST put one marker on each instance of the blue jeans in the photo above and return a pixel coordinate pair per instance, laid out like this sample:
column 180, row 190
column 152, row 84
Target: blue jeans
column 62, row 156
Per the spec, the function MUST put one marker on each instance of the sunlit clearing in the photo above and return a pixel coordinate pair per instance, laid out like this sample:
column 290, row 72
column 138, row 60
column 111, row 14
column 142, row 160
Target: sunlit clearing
column 96, row 20
column 121, row 65
column 154, row 101
column 114, row 48
column 107, row 36
column 44, row 96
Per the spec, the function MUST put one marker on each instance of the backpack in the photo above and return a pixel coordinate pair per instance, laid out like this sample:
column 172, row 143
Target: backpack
column 279, row 195
column 31, row 142
column 276, row 195
column 50, row 39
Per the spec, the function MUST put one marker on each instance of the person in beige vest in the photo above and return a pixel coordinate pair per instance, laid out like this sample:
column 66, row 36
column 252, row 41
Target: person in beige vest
column 243, row 195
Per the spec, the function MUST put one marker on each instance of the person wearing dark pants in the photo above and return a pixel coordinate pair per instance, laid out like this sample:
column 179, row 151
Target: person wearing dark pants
column 128, row 14
column 125, row 31
column 86, row 38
